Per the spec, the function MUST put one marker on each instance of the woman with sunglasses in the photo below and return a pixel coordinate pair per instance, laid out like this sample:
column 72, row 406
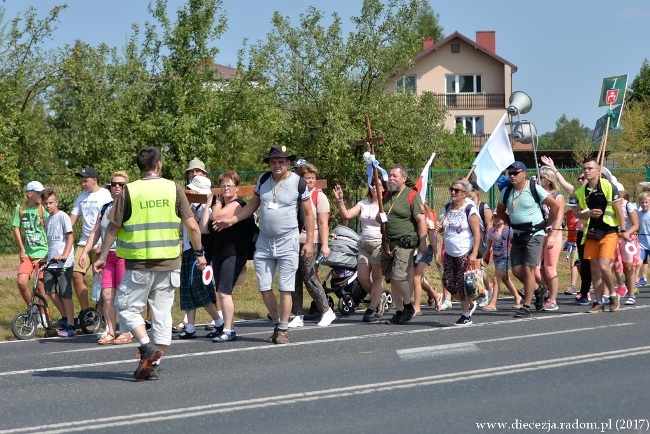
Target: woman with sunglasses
column 584, row 266
column 114, row 269
column 461, row 239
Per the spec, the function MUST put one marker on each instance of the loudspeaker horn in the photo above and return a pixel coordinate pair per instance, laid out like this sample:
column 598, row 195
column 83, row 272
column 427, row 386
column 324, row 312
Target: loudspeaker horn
column 520, row 103
column 524, row 132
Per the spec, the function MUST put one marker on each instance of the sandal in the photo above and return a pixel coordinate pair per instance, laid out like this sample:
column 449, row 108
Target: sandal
column 518, row 306
column 124, row 338
column 106, row 340
column 489, row 308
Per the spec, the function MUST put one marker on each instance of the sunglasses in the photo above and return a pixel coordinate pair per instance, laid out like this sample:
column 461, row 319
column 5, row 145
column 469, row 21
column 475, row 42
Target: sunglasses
column 115, row 184
column 515, row 173
column 456, row 190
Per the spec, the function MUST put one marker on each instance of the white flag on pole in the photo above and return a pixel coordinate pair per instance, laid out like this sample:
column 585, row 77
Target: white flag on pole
column 495, row 156
column 421, row 183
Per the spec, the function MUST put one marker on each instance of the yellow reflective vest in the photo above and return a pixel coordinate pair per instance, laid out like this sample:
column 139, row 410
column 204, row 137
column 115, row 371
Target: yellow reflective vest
column 609, row 216
column 152, row 231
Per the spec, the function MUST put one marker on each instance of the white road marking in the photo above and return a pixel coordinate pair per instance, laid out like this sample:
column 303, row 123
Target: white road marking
column 336, row 393
column 422, row 353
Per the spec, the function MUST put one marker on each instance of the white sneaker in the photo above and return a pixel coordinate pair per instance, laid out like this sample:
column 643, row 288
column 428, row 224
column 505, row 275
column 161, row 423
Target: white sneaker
column 327, row 318
column 446, row 304
column 296, row 322
column 486, row 300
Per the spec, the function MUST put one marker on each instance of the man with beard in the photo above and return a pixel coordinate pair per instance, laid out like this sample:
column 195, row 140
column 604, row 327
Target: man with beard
column 406, row 229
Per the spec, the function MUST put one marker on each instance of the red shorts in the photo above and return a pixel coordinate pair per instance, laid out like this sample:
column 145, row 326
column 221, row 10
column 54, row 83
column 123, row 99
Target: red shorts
column 27, row 266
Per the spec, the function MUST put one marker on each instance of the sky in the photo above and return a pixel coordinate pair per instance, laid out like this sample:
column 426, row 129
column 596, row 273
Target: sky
column 562, row 48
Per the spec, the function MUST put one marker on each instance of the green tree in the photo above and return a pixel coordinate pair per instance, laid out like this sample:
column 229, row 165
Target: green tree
column 26, row 72
column 427, row 25
column 326, row 83
column 566, row 135
column 640, row 87
column 632, row 144
column 457, row 151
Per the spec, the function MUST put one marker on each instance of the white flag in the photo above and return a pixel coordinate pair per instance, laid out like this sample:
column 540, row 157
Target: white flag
column 421, row 183
column 495, row 156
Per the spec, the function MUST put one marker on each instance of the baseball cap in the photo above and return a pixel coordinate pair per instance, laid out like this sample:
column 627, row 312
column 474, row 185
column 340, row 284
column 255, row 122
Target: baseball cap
column 195, row 163
column 88, row 172
column 200, row 184
column 35, row 186
column 517, row 165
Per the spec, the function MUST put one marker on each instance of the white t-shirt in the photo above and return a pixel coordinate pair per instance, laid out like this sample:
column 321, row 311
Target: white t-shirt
column 370, row 229
column 458, row 237
column 57, row 226
column 87, row 206
column 199, row 213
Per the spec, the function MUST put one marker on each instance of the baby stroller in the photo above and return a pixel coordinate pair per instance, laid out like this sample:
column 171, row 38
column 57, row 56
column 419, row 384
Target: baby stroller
column 342, row 276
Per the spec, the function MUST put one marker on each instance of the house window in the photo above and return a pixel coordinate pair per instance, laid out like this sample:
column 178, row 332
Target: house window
column 463, row 84
column 455, row 48
column 471, row 124
column 407, row 83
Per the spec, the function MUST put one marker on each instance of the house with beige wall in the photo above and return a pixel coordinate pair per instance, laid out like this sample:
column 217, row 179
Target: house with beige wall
column 467, row 77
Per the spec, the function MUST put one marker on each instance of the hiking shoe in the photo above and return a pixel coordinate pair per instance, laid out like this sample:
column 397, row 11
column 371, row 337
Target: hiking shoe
column 596, row 308
column 296, row 322
column 271, row 339
column 631, row 301
column 613, row 303
column 216, row 331
column 327, row 318
column 539, row 297
column 60, row 324
column 226, row 336
column 383, row 302
column 445, row 305
column 395, row 319
column 154, row 374
column 523, row 312
column 282, row 337
column 68, row 332
column 550, row 305
column 370, row 315
column 464, row 321
column 408, row 313
column 149, row 353
column 571, row 291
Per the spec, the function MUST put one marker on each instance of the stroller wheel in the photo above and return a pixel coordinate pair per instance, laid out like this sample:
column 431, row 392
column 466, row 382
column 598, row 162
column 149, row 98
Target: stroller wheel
column 346, row 305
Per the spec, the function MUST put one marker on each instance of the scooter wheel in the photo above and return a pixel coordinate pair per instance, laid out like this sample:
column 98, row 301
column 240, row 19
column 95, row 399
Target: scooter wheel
column 23, row 326
column 90, row 320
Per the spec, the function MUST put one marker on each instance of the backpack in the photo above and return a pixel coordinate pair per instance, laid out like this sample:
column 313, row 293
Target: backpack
column 302, row 186
column 21, row 211
column 536, row 198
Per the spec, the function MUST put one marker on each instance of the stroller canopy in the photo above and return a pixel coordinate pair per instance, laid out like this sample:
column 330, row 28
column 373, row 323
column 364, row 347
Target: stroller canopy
column 344, row 247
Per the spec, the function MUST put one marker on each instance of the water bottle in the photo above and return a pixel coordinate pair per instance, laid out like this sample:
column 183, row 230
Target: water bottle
column 418, row 258
column 97, row 287
column 319, row 259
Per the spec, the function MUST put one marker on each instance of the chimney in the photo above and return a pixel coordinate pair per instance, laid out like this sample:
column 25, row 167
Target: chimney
column 486, row 39
column 427, row 43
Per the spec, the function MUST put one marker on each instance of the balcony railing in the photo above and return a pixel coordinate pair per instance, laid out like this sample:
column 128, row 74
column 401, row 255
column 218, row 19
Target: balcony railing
column 471, row 100
column 478, row 140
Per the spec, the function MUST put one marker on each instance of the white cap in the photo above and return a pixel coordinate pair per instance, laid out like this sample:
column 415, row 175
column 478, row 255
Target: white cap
column 200, row 184
column 35, row 186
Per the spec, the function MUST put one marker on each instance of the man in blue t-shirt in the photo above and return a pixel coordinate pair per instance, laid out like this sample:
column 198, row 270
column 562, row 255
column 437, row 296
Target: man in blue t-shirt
column 524, row 216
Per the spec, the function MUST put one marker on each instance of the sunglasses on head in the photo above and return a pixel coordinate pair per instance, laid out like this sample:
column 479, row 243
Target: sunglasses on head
column 514, row 173
column 115, row 184
column 456, row 190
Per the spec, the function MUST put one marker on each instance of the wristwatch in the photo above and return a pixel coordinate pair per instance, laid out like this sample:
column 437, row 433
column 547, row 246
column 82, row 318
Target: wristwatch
column 200, row 252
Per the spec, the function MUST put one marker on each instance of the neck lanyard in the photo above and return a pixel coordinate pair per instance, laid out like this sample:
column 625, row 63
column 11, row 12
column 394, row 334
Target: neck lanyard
column 279, row 186
column 392, row 204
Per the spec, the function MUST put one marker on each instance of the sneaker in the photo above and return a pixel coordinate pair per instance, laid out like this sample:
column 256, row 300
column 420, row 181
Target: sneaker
column 583, row 301
column 226, row 336
column 445, row 305
column 631, row 301
column 636, row 291
column 149, row 353
column 621, row 290
column 408, row 314
column 486, row 300
column 381, row 309
column 154, row 374
column 464, row 321
column 60, row 324
column 596, row 308
column 68, row 332
column 613, row 303
column 327, row 318
column 271, row 339
column 186, row 335
column 370, row 315
column 571, row 291
column 216, row 331
column 395, row 319
column 641, row 282
column 550, row 305
column 282, row 337
column 296, row 322
column 523, row 312
column 539, row 297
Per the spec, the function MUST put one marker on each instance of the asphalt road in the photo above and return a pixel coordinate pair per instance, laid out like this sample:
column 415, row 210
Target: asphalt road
column 589, row 371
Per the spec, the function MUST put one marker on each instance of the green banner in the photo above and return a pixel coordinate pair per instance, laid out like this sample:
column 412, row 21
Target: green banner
column 601, row 123
column 613, row 91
